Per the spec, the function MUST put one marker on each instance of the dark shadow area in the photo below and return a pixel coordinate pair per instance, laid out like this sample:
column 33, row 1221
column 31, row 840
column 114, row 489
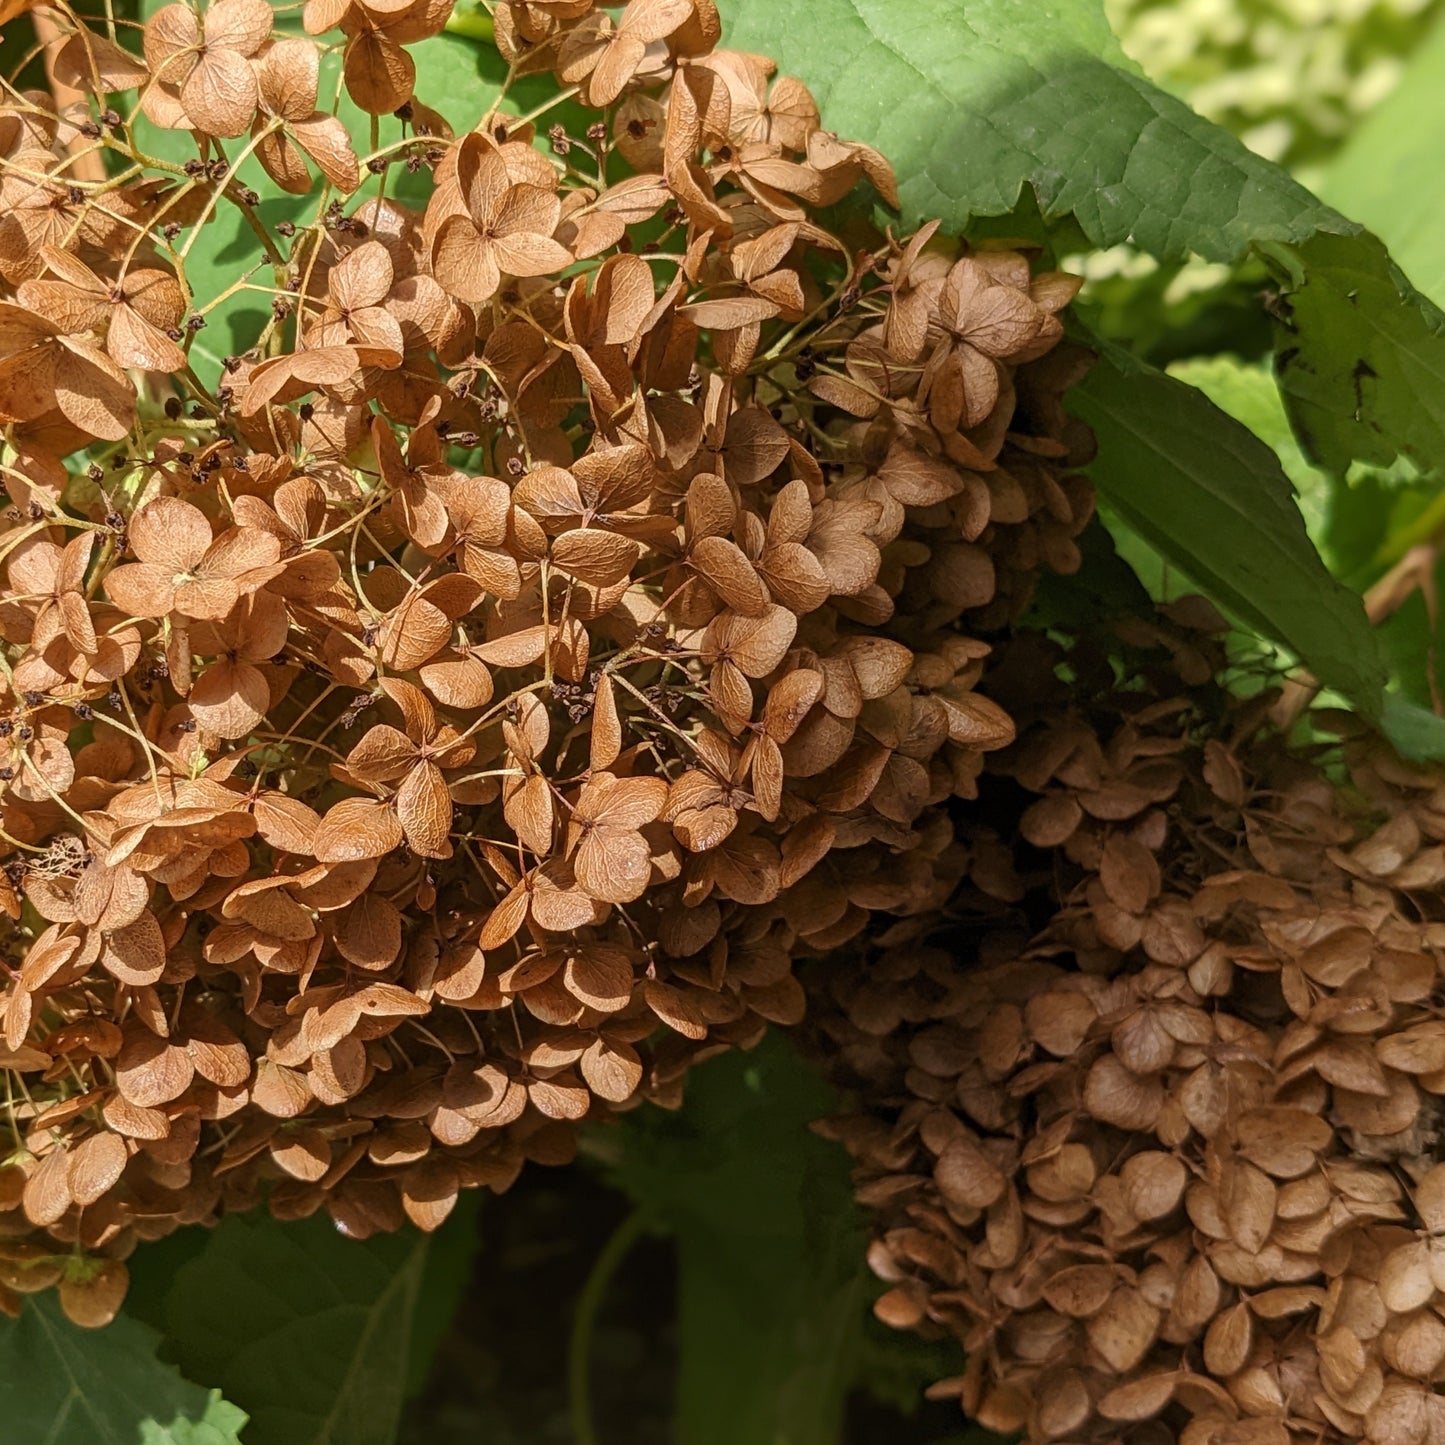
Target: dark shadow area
column 500, row 1374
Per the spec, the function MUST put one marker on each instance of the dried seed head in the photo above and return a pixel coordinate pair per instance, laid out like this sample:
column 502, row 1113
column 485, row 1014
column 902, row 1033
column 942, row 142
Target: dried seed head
column 1149, row 1107
column 680, row 586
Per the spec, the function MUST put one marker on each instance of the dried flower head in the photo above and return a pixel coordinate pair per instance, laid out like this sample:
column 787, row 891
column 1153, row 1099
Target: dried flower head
column 1148, row 1110
column 566, row 608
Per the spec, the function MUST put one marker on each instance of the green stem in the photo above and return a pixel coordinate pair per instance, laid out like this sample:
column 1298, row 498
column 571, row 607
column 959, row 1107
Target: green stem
column 550, row 103
column 233, row 171
column 584, row 1319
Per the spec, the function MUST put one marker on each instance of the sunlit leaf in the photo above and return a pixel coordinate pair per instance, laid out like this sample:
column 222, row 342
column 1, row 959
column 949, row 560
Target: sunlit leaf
column 1388, row 174
column 973, row 103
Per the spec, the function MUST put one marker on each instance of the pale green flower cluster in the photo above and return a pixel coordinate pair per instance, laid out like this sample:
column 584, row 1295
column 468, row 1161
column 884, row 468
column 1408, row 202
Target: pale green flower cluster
column 1289, row 76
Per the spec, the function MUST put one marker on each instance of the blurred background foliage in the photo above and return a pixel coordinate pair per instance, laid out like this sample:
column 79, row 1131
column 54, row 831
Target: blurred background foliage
column 1291, row 78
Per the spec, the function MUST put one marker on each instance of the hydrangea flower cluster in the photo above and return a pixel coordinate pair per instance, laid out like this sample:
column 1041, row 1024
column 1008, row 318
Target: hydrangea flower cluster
column 569, row 607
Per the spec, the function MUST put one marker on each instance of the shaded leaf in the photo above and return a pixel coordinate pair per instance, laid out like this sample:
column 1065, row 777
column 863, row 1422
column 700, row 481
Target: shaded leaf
column 774, row 1222
column 1413, row 730
column 312, row 1330
column 445, row 1275
column 62, row 1385
column 1387, row 174
column 1247, row 391
column 1211, row 497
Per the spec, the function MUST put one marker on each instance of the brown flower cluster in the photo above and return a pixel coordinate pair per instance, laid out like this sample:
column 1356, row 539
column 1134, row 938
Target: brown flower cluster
column 568, row 611
column 1150, row 1112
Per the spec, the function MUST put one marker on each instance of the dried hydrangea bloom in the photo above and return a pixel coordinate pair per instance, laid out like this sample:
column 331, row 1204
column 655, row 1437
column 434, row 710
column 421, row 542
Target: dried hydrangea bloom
column 571, row 605
column 201, row 73
column 61, row 367
column 1147, row 1110
column 287, row 80
column 138, row 311
column 509, row 210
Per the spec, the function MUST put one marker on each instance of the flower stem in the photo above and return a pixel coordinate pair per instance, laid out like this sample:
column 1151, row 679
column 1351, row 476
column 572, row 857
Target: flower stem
column 584, row 1320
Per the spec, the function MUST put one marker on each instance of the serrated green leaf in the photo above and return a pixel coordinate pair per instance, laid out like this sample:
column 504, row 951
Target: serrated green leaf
column 1210, row 496
column 308, row 1330
column 971, row 102
column 1388, row 174
column 1363, row 525
column 61, row 1385
column 1361, row 360
column 771, row 1250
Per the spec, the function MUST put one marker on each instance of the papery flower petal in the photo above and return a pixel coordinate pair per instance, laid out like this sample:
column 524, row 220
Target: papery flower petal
column 141, row 589
column 239, row 550
column 326, row 140
column 283, row 161
column 384, row 754
column 613, row 866
column 243, row 26
column 92, row 392
column 230, row 699
column 220, row 94
column 380, row 75
column 170, row 39
column 523, row 253
column 362, row 277
column 171, row 533
column 424, row 809
column 464, row 263
column 209, row 599
column 91, row 63
column 133, row 341
column 288, row 78
column 357, row 828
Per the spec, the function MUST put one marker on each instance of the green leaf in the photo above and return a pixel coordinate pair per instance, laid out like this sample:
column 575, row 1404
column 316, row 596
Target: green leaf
column 971, row 102
column 1388, row 174
column 1247, row 391
column 771, row 1250
column 1361, row 360
column 1211, row 497
column 308, row 1330
column 61, row 1385
column 1414, row 731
